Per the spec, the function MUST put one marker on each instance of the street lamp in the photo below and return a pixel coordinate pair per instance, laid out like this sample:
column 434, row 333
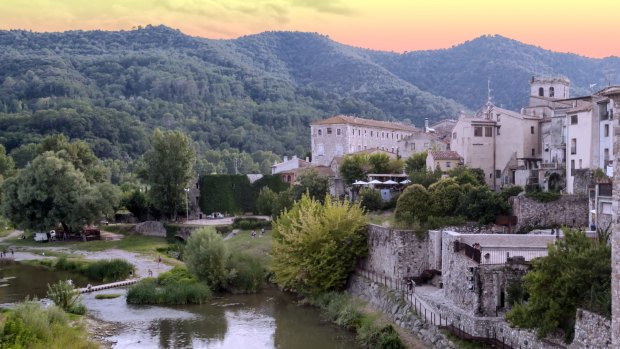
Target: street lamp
column 187, row 203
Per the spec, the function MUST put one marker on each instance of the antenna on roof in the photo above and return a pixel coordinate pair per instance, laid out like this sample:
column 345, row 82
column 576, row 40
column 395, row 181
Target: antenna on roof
column 489, row 101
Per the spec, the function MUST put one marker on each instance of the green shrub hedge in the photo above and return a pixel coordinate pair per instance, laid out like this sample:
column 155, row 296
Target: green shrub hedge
column 250, row 223
column 101, row 270
column 175, row 287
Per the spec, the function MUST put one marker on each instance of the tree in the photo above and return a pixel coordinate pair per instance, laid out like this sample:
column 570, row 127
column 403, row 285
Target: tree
column 265, row 201
column 316, row 245
column 312, row 183
column 445, row 195
column 52, row 191
column 354, row 167
column 464, row 175
column 425, row 177
column 168, row 169
column 413, row 205
column 7, row 167
column 481, row 203
column 370, row 199
column 575, row 273
column 206, row 256
column 416, row 162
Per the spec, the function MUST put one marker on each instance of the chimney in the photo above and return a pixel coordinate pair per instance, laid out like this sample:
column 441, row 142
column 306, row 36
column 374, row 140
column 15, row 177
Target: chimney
column 425, row 124
column 285, row 159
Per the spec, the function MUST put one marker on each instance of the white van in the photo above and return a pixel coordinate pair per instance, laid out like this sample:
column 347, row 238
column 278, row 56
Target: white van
column 40, row 237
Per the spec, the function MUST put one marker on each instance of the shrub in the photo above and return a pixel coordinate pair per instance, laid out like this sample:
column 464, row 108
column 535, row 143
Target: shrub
column 29, row 325
column 245, row 274
column 413, row 204
column 316, row 246
column 206, row 256
column 107, row 295
column 65, row 296
column 250, row 223
column 511, row 191
column 370, row 199
column 265, row 200
column 175, row 287
column 543, row 196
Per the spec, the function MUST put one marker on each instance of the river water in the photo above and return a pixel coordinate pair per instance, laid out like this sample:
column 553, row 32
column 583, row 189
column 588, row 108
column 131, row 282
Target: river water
column 270, row 319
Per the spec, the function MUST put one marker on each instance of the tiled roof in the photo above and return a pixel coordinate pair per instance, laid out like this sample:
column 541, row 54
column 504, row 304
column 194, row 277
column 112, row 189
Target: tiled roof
column 350, row 120
column 445, row 155
column 323, row 171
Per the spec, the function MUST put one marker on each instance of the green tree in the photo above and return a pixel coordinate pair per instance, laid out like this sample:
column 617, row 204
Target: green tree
column 464, row 175
column 416, row 162
column 445, row 195
column 66, row 297
column 312, row 183
column 265, row 201
column 354, row 167
column 316, row 245
column 206, row 256
column 168, row 169
column 7, row 167
column 424, row 177
column 379, row 163
column 413, row 205
column 370, row 199
column 575, row 273
column 52, row 191
column 481, row 203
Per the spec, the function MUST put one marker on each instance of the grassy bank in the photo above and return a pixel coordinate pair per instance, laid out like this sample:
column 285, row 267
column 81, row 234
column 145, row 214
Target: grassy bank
column 372, row 331
column 29, row 325
column 101, row 270
column 258, row 247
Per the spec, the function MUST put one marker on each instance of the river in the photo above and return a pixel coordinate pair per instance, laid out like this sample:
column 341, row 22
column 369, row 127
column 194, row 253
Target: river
column 270, row 319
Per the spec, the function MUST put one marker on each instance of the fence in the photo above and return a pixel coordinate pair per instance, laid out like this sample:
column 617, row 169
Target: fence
column 435, row 318
column 492, row 255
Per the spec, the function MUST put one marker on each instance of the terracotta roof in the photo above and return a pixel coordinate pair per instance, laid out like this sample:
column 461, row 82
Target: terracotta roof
column 350, row 120
column 373, row 151
column 445, row 155
column 581, row 106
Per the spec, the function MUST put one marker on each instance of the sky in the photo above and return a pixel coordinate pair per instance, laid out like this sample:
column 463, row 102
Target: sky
column 589, row 28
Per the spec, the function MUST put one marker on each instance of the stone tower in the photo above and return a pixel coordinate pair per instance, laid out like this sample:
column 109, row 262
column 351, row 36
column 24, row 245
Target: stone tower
column 550, row 87
column 614, row 94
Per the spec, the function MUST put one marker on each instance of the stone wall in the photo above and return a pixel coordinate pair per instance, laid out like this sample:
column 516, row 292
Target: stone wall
column 152, row 228
column 568, row 210
column 591, row 331
column 456, row 273
column 396, row 253
column 398, row 310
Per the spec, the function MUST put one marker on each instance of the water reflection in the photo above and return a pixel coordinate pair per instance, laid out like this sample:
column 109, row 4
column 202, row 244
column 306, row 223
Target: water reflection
column 264, row 321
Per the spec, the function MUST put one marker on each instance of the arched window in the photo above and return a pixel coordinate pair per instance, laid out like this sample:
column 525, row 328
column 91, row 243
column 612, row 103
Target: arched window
column 551, row 92
column 541, row 92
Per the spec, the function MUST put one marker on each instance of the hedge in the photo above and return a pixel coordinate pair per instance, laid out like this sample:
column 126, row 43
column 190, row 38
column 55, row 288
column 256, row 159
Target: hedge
column 234, row 193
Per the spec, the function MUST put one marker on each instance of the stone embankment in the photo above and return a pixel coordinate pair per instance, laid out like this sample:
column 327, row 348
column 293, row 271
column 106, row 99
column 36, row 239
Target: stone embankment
column 400, row 311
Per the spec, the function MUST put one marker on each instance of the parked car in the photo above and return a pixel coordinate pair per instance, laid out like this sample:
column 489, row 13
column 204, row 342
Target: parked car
column 41, row 237
column 215, row 215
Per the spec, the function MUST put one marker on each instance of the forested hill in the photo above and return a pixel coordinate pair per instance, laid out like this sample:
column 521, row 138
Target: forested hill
column 253, row 93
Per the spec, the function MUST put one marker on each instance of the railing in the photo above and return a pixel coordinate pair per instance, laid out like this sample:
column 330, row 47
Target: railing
column 471, row 252
column 492, row 255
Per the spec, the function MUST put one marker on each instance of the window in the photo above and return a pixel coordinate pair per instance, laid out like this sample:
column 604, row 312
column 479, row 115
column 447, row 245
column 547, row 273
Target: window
column 573, row 146
column 382, row 134
column 541, row 92
column 580, row 164
column 453, row 135
column 371, row 133
column 426, row 145
column 533, row 151
column 574, row 119
column 498, row 174
column 607, row 130
column 488, row 131
column 448, row 164
column 498, row 127
column 551, row 92
column 321, row 150
column 606, row 207
column 359, row 132
column 338, row 132
column 477, row 131
column 329, row 130
column 320, row 132
column 572, row 167
column 532, row 129
column 392, row 135
column 606, row 156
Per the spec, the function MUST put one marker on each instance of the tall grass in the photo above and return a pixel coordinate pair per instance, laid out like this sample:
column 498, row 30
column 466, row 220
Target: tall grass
column 345, row 311
column 101, row 270
column 28, row 325
column 175, row 287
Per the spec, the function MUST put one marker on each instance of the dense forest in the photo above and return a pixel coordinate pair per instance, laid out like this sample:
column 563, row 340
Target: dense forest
column 253, row 96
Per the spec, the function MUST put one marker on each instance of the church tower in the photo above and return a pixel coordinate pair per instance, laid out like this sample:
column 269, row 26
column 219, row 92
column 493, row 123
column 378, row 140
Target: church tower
column 556, row 87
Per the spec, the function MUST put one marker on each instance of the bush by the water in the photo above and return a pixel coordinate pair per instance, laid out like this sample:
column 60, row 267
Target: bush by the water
column 29, row 325
column 101, row 270
column 175, row 287
column 65, row 296
column 316, row 246
column 343, row 310
column 245, row 274
column 206, row 257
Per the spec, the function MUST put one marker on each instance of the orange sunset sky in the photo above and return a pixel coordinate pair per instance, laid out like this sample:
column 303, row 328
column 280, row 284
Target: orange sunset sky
column 590, row 28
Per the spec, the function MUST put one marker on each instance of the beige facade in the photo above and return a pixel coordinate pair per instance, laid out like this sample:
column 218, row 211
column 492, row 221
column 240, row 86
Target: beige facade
column 420, row 142
column 341, row 135
column 444, row 160
column 495, row 140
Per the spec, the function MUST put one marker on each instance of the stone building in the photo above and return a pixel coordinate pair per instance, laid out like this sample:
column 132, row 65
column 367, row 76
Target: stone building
column 342, row 135
column 444, row 160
